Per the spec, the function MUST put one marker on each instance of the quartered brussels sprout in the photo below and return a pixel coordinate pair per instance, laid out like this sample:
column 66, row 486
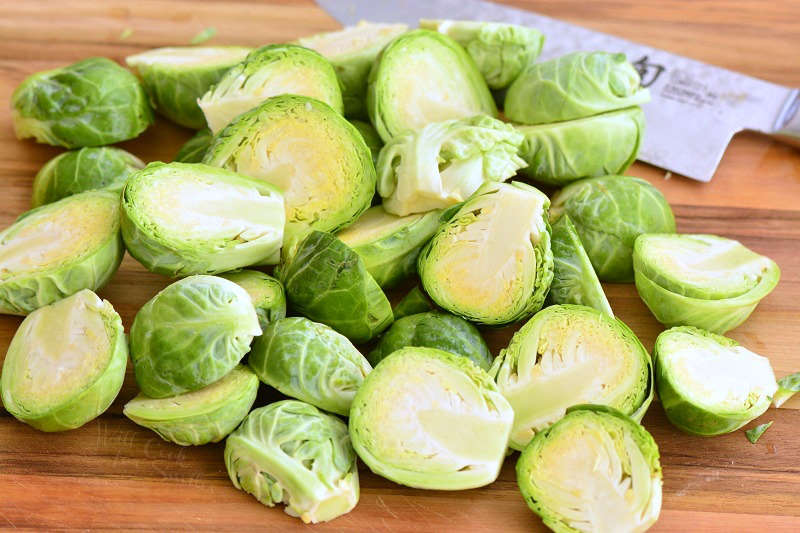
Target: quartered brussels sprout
column 307, row 149
column 609, row 213
column 194, row 150
column 705, row 281
column 412, row 303
column 709, row 384
column 65, row 363
column 415, row 420
column 568, row 355
column 352, row 51
column 388, row 244
column 310, row 362
column 83, row 170
column 195, row 418
column 289, row 452
column 328, row 282
column 434, row 330
column 491, row 262
column 176, row 77
column 501, row 51
column 423, row 77
column 577, row 85
column 371, row 138
column 89, row 103
column 269, row 71
column 191, row 334
column 595, row 470
column 265, row 292
column 58, row 249
column 443, row 163
column 788, row 386
column 188, row 218
column 600, row 145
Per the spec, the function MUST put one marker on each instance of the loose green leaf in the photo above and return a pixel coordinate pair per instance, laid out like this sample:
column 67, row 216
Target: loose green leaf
column 788, row 386
column 204, row 35
column 755, row 433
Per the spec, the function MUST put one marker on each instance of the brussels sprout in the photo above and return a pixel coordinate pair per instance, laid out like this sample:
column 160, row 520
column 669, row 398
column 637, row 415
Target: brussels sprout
column 175, row 78
column 388, row 244
column 65, row 363
column 412, row 303
column 188, row 218
column 269, row 71
column 568, row 355
column 199, row 417
column 705, row 281
column 573, row 86
column 423, row 77
column 492, row 263
column 416, row 418
column 83, row 170
column 371, row 138
column 352, row 51
column 328, row 282
column 501, row 51
column 595, row 470
column 89, row 103
column 443, row 163
column 308, row 150
column 290, row 452
column 265, row 292
column 609, row 213
column 754, row 434
column 788, row 386
column 194, row 150
column 58, row 249
column 574, row 279
column 434, row 330
column 709, row 384
column 191, row 334
column 563, row 152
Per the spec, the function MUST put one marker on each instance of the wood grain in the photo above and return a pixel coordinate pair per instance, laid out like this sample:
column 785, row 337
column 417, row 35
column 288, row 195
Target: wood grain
column 112, row 474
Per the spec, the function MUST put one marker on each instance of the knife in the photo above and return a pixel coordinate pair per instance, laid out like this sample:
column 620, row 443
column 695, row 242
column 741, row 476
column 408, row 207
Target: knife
column 695, row 108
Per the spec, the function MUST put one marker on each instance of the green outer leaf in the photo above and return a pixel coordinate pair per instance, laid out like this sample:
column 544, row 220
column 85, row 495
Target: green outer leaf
column 416, row 301
column 371, row 138
column 265, row 292
column 788, row 386
column 195, row 148
column 755, row 433
column 204, row 35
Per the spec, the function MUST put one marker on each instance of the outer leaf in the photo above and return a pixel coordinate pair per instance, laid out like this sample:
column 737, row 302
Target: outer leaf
column 788, row 386
column 371, row 138
column 412, row 303
column 755, row 433
column 194, row 150
column 265, row 292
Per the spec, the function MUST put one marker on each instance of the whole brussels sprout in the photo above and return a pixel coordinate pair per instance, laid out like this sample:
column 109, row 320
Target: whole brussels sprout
column 194, row 150
column 412, row 303
column 65, row 364
column 371, row 138
column 705, row 281
column 266, row 293
column 58, row 249
column 290, row 452
column 195, row 418
column 423, row 77
column 609, row 213
column 191, row 334
column 89, row 103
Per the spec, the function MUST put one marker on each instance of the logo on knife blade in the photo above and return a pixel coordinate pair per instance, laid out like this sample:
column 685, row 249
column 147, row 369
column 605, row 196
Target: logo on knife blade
column 648, row 72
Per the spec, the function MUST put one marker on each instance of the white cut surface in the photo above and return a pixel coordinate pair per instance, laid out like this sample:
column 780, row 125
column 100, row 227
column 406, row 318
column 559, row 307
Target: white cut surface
column 189, row 57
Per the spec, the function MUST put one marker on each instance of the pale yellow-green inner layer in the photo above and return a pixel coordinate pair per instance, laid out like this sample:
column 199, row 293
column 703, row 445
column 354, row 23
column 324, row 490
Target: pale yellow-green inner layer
column 353, row 39
column 373, row 225
column 187, row 57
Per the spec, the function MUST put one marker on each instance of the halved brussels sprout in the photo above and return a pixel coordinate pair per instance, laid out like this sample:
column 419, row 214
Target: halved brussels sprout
column 352, row 51
column 491, row 262
column 65, row 364
column 195, row 418
column 58, row 249
column 371, row 138
column 709, row 384
column 194, row 150
column 290, row 452
column 443, row 163
column 191, row 334
column 311, row 152
column 577, row 85
column 595, row 470
column 188, row 218
column 434, row 330
column 705, row 281
column 609, row 213
column 568, row 355
column 83, row 170
column 412, row 303
column 501, row 51
column 423, row 77
column 560, row 153
column 415, row 421
column 788, row 386
column 89, row 103
column 265, row 292
column 388, row 244
column 328, row 282
column 310, row 362
column 269, row 71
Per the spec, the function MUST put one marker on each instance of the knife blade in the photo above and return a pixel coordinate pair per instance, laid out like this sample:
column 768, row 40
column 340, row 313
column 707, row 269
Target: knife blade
column 695, row 109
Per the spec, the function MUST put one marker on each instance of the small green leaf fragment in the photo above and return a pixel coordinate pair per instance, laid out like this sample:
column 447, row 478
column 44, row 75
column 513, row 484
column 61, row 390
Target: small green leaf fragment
column 787, row 387
column 205, row 35
column 127, row 32
column 754, row 434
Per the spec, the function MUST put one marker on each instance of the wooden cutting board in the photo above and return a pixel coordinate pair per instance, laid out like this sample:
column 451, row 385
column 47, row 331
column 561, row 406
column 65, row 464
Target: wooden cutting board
column 113, row 474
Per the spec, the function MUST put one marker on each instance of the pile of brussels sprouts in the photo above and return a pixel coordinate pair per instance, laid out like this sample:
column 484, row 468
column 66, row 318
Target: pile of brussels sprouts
column 352, row 161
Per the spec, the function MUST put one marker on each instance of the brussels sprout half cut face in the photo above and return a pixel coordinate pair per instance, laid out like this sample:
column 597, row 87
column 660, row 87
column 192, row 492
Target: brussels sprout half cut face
column 266, row 293
column 65, row 364
column 416, row 418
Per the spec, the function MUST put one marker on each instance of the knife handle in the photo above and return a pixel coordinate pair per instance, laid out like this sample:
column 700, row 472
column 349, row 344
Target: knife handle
column 788, row 124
